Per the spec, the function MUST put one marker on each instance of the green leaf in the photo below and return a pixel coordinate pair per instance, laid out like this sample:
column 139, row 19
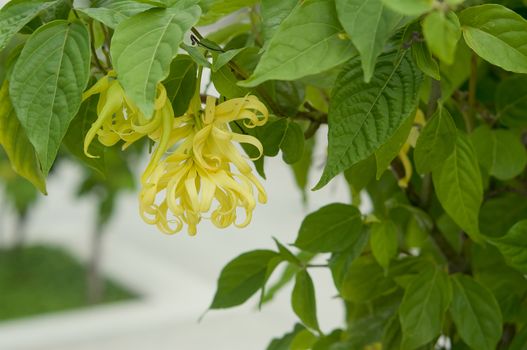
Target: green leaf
column 369, row 24
column 74, row 138
column 436, row 141
column 500, row 152
column 143, row 46
column 303, row 300
column 391, row 148
column 499, row 214
column 13, row 139
column 424, row 60
column 113, row 12
column 363, row 116
column 181, row 83
column 304, row 340
column 241, row 278
column 519, row 341
column 365, row 280
column 273, row 12
column 459, row 187
column 384, row 242
column 442, row 32
column 225, row 57
column 284, row 343
column 286, row 254
column 227, row 84
column 332, row 228
column 425, row 302
column 307, row 42
column 496, row 34
column 301, row 169
column 511, row 101
column 513, row 246
column 47, row 84
column 286, row 135
column 410, row 7
column 340, row 262
column 476, row 313
column 16, row 14
column 215, row 9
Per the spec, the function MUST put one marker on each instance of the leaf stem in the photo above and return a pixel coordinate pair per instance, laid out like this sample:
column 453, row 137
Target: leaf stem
column 94, row 50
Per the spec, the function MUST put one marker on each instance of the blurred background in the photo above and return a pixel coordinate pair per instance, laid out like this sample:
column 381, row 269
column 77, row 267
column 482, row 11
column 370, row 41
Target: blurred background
column 80, row 270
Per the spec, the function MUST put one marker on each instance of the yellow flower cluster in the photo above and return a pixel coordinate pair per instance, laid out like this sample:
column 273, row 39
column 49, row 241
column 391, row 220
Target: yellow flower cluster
column 419, row 122
column 203, row 174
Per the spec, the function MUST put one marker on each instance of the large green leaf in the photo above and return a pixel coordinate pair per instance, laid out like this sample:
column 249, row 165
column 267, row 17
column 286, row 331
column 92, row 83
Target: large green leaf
column 242, row 277
column 13, row 139
column 500, row 152
column 497, row 34
column 113, row 12
column 410, row 7
column 425, row 302
column 303, row 300
column 332, row 228
column 499, row 214
column 181, row 83
column 476, row 313
column 47, row 83
column 307, row 42
column 384, row 242
column 273, row 12
column 459, row 187
column 363, row 116
column 513, row 246
column 442, row 32
column 511, row 101
column 436, row 141
column 369, row 24
column 16, row 14
column 144, row 45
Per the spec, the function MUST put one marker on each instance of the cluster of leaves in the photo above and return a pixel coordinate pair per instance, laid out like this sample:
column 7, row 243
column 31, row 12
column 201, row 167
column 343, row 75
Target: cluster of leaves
column 440, row 259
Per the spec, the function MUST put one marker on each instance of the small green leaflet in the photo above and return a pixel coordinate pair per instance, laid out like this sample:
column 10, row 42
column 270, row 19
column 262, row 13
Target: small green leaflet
column 16, row 14
column 369, row 24
column 424, row 60
column 425, row 302
column 476, row 313
column 303, row 300
column 459, row 187
column 144, row 45
column 332, row 228
column 410, row 7
column 363, row 116
column 497, row 34
column 13, row 139
column 513, row 246
column 241, row 278
column 436, row 141
column 384, row 242
column 307, row 42
column 442, row 32
column 47, row 84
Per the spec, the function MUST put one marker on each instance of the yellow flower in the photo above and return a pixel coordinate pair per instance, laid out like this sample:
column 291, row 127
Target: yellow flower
column 118, row 118
column 419, row 122
column 205, row 176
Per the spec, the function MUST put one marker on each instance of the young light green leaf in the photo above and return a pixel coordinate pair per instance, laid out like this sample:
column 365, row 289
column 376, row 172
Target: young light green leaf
column 436, row 141
column 226, row 83
column 181, row 83
column 356, row 130
column 144, row 45
column 332, row 228
column 389, row 150
column 410, row 7
column 513, row 246
column 308, row 41
column 303, row 300
column 284, row 342
column 241, row 278
column 384, row 242
column 225, row 57
column 215, row 9
column 442, row 32
column 47, row 84
column 424, row 60
column 511, row 101
column 425, row 302
column 16, row 145
column 369, row 24
column 497, row 34
column 500, row 152
column 304, row 340
column 113, row 12
column 273, row 12
column 16, row 14
column 476, row 313
column 459, row 187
